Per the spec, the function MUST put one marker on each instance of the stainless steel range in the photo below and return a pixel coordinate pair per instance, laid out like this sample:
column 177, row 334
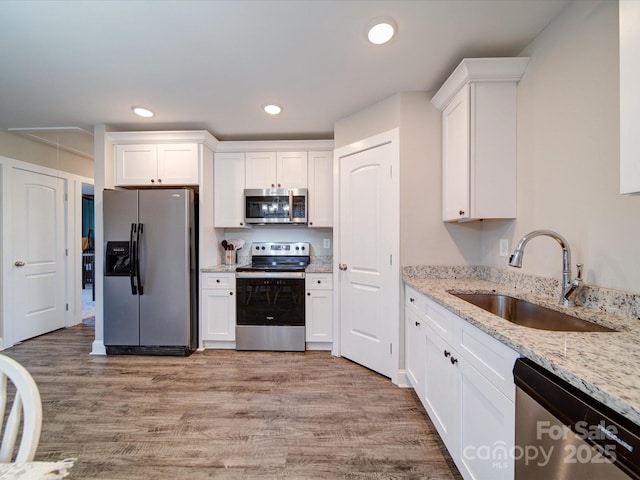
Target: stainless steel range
column 270, row 298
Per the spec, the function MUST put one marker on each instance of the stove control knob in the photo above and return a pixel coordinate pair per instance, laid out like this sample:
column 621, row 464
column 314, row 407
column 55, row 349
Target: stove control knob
column 303, row 248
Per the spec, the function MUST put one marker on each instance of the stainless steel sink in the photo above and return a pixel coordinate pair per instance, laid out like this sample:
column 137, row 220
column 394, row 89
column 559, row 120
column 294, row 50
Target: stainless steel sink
column 529, row 314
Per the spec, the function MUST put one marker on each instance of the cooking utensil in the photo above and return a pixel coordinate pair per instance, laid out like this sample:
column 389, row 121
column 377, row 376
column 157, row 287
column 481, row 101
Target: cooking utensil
column 237, row 243
column 225, row 244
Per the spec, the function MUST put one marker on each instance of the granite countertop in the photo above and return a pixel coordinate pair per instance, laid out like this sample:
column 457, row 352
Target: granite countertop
column 604, row 365
column 319, row 268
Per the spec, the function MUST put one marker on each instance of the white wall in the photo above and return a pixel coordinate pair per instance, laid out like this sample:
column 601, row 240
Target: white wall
column 26, row 150
column 280, row 233
column 568, row 154
column 424, row 238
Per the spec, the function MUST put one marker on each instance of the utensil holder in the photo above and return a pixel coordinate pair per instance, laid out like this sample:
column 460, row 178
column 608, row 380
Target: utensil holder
column 229, row 257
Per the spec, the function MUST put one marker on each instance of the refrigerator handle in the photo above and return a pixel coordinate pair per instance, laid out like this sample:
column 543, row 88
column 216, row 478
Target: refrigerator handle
column 132, row 260
column 139, row 234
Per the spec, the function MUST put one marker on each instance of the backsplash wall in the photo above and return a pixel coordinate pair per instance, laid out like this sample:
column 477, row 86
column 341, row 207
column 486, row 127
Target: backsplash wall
column 282, row 233
column 568, row 155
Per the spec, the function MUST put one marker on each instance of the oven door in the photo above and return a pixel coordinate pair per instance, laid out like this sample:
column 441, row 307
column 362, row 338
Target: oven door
column 282, row 205
column 270, row 311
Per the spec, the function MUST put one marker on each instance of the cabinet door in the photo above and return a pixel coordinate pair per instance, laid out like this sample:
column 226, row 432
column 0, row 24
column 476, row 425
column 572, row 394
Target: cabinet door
column 292, row 170
column 487, row 428
column 218, row 315
column 629, row 12
column 442, row 388
column 455, row 157
column 415, row 351
column 178, row 164
column 320, row 209
column 260, row 170
column 319, row 315
column 228, row 181
column 136, row 164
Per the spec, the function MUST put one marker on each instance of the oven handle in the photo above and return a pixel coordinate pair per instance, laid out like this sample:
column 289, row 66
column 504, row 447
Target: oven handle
column 293, row 275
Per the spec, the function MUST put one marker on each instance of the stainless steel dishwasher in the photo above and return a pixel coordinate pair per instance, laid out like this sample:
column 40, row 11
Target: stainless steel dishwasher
column 562, row 433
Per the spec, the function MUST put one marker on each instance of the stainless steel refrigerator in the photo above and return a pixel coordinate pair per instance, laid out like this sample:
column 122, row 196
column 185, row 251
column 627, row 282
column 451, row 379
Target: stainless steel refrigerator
column 150, row 277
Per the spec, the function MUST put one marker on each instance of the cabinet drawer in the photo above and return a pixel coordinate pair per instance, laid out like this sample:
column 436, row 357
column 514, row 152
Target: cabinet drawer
column 318, row 281
column 218, row 280
column 491, row 358
column 439, row 319
column 415, row 301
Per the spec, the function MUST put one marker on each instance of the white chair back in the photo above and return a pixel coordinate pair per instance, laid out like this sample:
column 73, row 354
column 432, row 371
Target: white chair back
column 26, row 404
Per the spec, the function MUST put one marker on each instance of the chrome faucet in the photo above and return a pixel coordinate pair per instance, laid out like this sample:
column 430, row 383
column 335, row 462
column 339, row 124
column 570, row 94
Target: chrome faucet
column 569, row 287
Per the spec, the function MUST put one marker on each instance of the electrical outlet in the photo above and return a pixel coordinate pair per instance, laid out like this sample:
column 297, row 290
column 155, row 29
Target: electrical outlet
column 504, row 247
column 326, row 243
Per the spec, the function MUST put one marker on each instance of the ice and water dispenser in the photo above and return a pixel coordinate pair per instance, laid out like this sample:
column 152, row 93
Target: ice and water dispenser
column 117, row 261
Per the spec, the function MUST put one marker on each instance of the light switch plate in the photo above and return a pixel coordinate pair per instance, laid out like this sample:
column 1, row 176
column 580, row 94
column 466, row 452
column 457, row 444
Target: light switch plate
column 326, row 243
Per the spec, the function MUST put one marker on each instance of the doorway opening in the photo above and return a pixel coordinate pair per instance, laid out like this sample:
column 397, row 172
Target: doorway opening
column 88, row 256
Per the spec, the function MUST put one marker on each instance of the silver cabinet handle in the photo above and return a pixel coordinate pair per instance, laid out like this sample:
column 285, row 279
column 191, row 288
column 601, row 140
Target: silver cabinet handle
column 19, row 263
column 342, row 266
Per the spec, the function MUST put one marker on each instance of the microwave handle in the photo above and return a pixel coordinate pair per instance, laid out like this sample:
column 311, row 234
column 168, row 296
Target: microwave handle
column 291, row 205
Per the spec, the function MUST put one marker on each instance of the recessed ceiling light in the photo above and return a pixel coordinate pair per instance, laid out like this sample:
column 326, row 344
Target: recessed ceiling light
column 143, row 112
column 381, row 30
column 272, row 109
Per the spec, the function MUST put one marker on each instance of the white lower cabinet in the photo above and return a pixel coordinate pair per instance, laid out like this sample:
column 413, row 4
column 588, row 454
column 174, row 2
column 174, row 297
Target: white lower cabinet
column 463, row 378
column 218, row 309
column 319, row 311
column 414, row 343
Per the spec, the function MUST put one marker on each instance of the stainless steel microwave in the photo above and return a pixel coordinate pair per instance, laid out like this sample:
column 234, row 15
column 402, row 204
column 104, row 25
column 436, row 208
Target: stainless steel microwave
column 275, row 206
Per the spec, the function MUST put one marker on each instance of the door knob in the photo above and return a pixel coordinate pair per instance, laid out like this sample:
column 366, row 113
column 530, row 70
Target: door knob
column 342, row 266
column 19, row 263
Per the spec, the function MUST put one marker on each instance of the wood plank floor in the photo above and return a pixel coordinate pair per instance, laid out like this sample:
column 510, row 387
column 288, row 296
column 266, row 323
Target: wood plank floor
column 226, row 414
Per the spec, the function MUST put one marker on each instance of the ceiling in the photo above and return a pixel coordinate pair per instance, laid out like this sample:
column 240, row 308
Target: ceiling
column 69, row 65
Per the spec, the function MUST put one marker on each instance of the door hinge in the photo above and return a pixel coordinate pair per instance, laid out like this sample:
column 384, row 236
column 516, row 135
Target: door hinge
column 391, row 171
column 66, row 197
column 66, row 252
column 391, row 259
column 67, row 307
column 391, row 349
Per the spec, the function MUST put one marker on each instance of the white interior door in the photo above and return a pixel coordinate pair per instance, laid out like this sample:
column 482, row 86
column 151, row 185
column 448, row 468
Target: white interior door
column 369, row 230
column 38, row 254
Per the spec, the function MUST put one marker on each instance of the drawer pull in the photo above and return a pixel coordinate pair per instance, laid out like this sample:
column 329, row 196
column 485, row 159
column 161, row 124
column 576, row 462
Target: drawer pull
column 454, row 360
column 417, row 324
column 447, row 353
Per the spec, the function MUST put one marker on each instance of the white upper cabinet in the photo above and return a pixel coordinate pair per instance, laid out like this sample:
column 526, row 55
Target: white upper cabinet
column 629, row 96
column 291, row 171
column 276, row 170
column 320, row 195
column 178, row 164
column 260, row 170
column 479, row 105
column 228, row 187
column 159, row 158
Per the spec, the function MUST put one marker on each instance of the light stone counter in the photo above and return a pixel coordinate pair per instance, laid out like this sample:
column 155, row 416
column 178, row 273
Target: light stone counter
column 219, row 269
column 603, row 365
column 319, row 268
column 317, row 265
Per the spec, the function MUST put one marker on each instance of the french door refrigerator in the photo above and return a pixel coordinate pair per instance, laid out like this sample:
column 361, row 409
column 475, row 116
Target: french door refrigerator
column 150, row 278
